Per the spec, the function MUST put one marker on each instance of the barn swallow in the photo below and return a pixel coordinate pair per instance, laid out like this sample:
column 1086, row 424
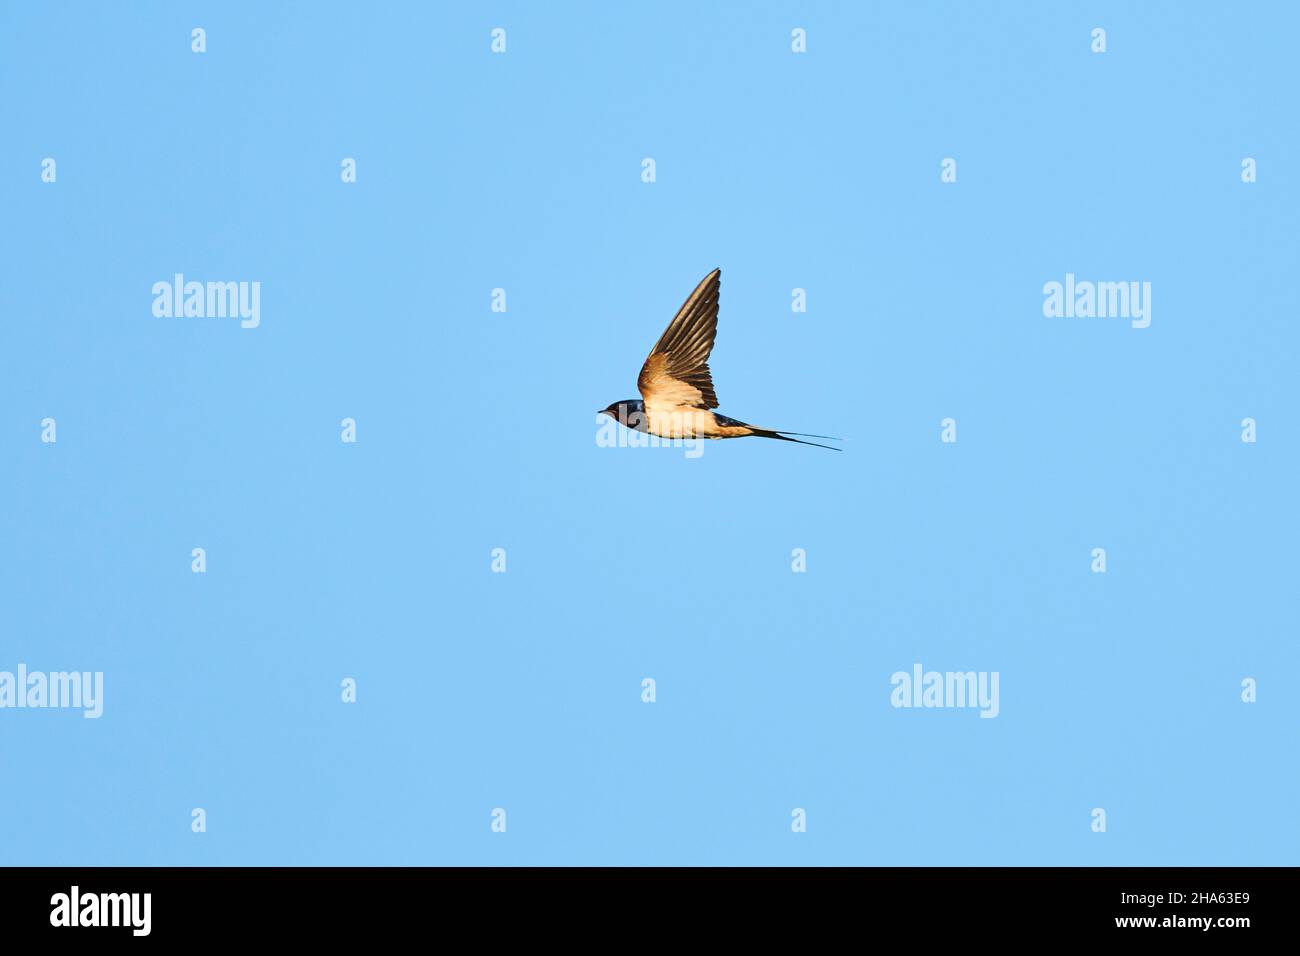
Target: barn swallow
column 677, row 396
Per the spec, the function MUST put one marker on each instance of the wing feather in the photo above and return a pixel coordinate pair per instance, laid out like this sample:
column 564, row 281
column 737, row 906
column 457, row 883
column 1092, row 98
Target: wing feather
column 676, row 373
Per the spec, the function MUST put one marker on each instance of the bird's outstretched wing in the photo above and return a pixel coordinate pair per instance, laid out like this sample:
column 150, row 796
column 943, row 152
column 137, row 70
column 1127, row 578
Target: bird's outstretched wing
column 677, row 372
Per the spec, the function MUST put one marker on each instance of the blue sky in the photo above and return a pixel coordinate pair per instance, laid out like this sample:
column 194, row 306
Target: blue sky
column 476, row 430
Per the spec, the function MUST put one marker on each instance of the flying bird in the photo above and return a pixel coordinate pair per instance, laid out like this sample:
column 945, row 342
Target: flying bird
column 677, row 396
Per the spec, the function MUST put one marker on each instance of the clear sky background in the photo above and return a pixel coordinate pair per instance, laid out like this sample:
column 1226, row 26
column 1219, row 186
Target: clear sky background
column 476, row 430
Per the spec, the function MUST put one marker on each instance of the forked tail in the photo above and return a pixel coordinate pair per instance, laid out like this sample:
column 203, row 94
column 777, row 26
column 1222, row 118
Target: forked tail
column 785, row 436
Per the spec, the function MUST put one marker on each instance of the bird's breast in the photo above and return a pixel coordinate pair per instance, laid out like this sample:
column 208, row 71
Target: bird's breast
column 682, row 422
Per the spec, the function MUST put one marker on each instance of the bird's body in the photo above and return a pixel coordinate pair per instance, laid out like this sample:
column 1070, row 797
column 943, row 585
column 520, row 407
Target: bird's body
column 678, row 422
column 677, row 397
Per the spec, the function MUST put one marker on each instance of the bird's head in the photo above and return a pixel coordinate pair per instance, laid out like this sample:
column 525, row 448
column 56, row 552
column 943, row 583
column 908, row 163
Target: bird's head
column 618, row 410
column 628, row 412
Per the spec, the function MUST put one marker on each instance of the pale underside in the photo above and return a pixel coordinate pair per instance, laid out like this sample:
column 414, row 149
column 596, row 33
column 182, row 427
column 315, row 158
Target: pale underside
column 688, row 422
